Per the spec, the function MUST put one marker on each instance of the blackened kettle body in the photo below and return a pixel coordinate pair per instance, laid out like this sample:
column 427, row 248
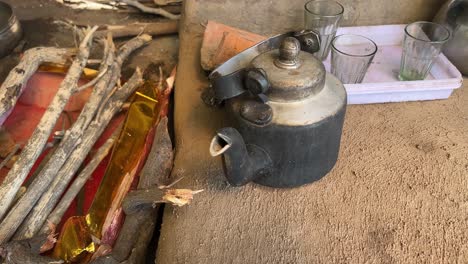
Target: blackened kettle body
column 288, row 115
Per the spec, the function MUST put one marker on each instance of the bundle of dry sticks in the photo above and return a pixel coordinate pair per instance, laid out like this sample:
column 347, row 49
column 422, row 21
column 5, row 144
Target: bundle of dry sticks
column 27, row 215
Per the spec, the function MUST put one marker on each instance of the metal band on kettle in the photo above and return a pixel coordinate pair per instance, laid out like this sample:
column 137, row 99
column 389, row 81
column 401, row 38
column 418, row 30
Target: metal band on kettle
column 233, row 77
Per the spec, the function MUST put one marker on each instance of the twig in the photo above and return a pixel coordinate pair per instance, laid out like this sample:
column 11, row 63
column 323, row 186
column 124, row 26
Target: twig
column 86, row 4
column 80, row 180
column 150, row 10
column 153, row 29
column 166, row 2
column 16, row 81
column 37, row 141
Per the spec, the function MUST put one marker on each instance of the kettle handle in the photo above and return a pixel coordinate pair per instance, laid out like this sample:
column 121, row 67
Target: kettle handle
column 229, row 79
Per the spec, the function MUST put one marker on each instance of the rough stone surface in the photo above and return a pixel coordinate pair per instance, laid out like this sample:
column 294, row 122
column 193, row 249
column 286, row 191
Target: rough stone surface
column 398, row 193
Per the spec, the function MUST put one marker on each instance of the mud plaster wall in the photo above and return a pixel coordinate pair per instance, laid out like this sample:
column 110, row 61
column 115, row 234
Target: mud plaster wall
column 268, row 17
column 398, row 194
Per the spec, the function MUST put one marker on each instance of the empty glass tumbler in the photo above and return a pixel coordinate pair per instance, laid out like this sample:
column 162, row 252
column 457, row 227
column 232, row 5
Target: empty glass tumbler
column 421, row 46
column 323, row 16
column 351, row 57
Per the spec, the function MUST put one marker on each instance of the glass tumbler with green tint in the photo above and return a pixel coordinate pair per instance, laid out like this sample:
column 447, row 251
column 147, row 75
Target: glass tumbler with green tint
column 421, row 46
column 323, row 16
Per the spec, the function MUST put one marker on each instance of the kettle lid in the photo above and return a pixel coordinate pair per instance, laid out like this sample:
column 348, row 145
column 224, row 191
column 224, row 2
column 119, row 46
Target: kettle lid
column 292, row 74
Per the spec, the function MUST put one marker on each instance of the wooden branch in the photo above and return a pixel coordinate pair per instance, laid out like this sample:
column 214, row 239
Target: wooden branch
column 150, row 10
column 13, row 86
column 153, row 29
column 95, row 129
column 87, row 4
column 80, row 180
column 71, row 139
column 124, row 52
column 36, row 143
column 166, row 2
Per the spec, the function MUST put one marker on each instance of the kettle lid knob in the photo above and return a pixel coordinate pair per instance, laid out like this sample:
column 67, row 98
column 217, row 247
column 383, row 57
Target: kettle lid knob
column 288, row 54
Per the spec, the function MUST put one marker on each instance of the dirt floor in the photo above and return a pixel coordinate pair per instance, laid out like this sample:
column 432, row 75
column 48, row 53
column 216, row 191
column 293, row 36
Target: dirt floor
column 398, row 193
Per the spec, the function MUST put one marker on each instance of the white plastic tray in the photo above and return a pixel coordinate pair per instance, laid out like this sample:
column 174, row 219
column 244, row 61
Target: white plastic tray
column 381, row 82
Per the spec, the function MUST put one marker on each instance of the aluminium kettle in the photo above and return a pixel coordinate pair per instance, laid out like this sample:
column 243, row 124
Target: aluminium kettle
column 287, row 113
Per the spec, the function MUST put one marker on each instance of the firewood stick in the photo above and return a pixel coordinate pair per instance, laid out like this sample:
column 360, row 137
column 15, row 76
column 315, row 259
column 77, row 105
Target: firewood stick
column 80, row 180
column 166, row 2
column 88, row 4
column 16, row 81
column 70, row 140
column 153, row 29
column 173, row 9
column 125, row 51
column 37, row 141
column 150, row 10
column 49, row 199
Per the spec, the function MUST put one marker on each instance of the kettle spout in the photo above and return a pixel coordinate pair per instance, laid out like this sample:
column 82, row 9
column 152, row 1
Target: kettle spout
column 220, row 144
column 242, row 163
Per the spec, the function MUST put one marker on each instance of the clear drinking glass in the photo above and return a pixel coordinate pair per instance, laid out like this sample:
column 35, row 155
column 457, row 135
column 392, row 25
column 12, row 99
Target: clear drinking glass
column 421, row 46
column 323, row 16
column 351, row 57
